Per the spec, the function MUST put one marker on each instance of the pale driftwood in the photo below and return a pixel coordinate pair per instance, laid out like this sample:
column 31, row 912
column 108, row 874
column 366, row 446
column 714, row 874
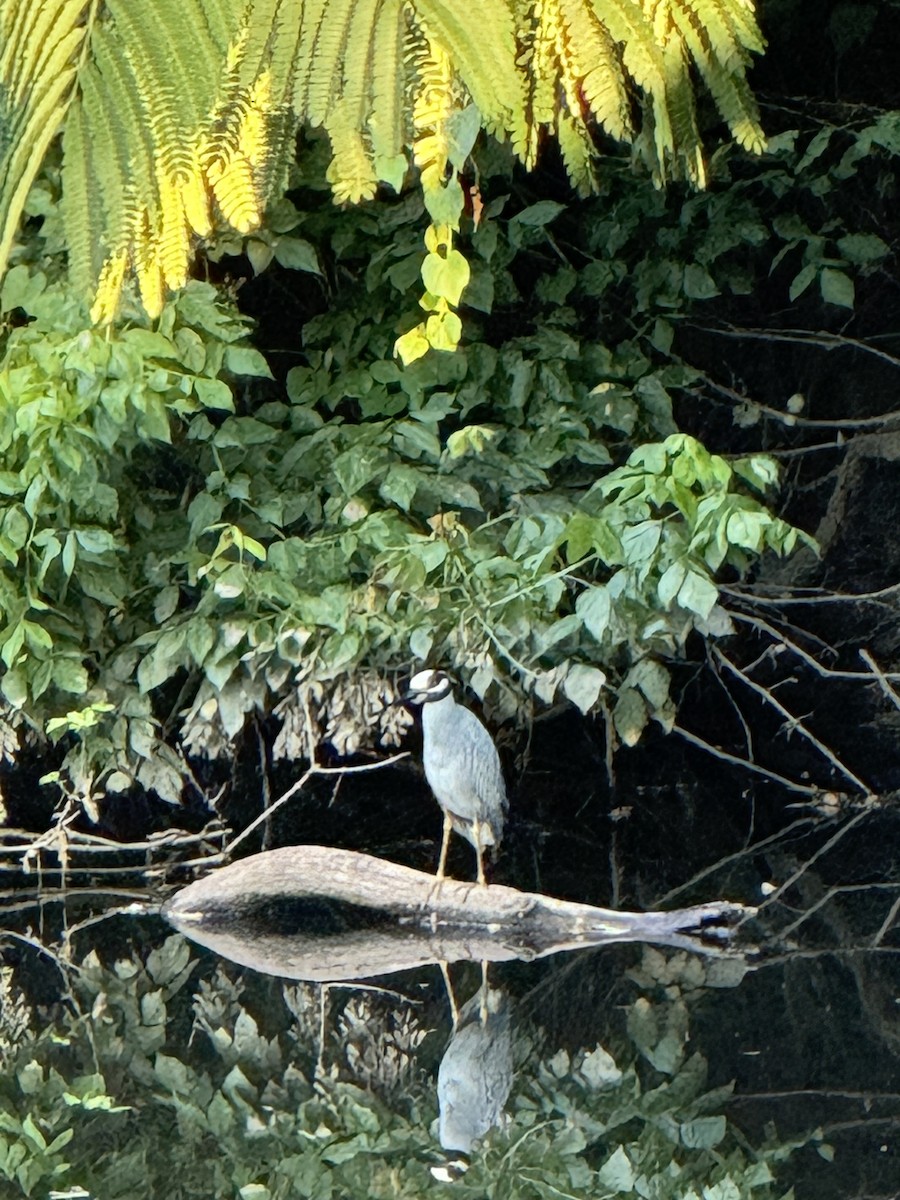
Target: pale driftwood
column 390, row 918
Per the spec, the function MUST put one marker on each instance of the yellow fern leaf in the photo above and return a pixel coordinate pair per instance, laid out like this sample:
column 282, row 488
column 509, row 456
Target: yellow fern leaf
column 577, row 151
column 195, row 199
column 109, row 288
column 435, row 102
column 545, row 63
column 173, row 236
column 149, row 269
column 253, row 130
column 387, row 118
column 350, row 171
column 481, row 42
column 590, row 58
column 324, row 71
column 235, row 193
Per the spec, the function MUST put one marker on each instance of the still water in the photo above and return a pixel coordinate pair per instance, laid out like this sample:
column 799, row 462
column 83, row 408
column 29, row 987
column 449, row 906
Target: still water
column 138, row 1063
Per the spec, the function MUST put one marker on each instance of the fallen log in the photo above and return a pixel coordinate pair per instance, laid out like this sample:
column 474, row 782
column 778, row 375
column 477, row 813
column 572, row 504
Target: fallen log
column 326, row 915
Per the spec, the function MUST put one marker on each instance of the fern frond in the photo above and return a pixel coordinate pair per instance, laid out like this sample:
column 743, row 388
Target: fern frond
column 721, row 64
column 313, row 15
column 82, row 235
column 325, row 72
column 148, row 268
column 386, row 122
column 233, row 186
column 592, row 63
column 491, row 79
column 173, row 240
column 109, row 288
column 577, row 151
column 643, row 59
column 350, row 172
column 39, row 48
column 436, row 99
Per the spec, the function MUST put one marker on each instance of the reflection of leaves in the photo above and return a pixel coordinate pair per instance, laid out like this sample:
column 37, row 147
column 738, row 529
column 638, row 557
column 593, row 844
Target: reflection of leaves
column 581, row 1124
column 617, row 1173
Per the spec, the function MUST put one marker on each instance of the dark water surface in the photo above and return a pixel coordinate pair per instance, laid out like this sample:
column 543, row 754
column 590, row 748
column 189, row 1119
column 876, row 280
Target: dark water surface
column 138, row 1064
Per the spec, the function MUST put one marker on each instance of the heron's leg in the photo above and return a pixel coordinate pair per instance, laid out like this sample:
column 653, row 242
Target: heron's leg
column 445, row 843
column 454, row 1011
column 483, row 994
column 479, row 851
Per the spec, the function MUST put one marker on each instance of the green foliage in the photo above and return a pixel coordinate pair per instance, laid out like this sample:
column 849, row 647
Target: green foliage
column 523, row 511
column 179, row 118
column 86, row 553
column 200, row 1088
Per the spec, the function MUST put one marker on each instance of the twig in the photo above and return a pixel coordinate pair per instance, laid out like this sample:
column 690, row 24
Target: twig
column 755, row 848
column 828, row 341
column 299, row 785
column 801, row 871
column 748, row 736
column 816, row 1093
column 88, row 843
column 804, row 788
column 887, row 922
column 826, row 672
column 792, row 721
column 884, row 678
column 794, row 420
column 837, row 890
column 821, row 598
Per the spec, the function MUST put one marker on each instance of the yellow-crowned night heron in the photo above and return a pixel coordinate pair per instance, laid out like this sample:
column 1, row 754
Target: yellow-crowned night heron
column 461, row 765
column 474, row 1079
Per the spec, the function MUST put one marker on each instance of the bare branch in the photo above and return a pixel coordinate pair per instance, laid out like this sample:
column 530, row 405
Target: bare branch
column 804, row 788
column 793, row 722
column 299, row 785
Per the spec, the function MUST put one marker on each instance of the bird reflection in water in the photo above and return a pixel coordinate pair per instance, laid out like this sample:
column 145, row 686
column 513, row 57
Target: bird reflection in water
column 474, row 1079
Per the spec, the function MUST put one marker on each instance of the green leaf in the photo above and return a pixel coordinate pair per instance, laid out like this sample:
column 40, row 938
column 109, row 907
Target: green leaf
column 461, row 130
column 639, row 542
column 703, row 1133
column 446, row 276
column 652, row 678
column 70, row 676
column 630, row 716
column 246, row 360
column 30, row 1129
column 863, row 248
column 583, row 685
column 698, row 594
column 14, row 687
column 12, row 647
column 95, row 540
column 698, row 283
column 802, row 280
column 214, row 393
column 837, row 288
column 297, row 254
column 594, row 607
column 670, row 581
column 445, row 204
column 470, row 439
column 537, row 215
column 617, row 1173
column 412, row 345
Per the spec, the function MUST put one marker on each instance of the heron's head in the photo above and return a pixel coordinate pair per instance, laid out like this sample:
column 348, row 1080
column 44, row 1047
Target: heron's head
column 427, row 686
column 451, row 1169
